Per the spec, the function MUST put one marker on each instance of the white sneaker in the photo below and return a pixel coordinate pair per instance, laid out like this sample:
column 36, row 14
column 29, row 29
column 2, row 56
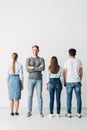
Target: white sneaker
column 50, row 115
column 58, row 115
column 78, row 115
column 68, row 115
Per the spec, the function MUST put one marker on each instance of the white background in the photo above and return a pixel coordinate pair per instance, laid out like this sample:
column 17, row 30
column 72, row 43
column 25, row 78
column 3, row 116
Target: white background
column 54, row 25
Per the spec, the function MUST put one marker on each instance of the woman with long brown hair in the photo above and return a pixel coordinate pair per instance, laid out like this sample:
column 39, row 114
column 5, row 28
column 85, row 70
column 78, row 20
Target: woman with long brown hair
column 54, row 84
column 15, row 83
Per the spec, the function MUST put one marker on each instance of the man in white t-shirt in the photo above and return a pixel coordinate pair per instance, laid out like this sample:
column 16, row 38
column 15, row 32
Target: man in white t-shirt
column 73, row 72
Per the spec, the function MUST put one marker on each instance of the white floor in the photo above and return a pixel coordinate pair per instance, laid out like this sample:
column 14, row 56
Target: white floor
column 35, row 122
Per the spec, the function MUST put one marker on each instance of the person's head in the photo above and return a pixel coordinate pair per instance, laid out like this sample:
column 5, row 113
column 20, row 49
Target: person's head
column 14, row 59
column 14, row 56
column 72, row 52
column 35, row 50
column 54, row 66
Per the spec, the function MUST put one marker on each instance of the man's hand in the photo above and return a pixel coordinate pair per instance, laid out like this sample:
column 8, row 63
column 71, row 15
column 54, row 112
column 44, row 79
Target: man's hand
column 42, row 65
column 29, row 67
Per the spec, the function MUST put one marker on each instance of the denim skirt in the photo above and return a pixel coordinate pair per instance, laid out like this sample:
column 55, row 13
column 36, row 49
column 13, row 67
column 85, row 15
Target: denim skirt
column 14, row 87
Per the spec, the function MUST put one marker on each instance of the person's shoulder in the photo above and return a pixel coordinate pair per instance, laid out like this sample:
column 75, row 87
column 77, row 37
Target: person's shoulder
column 29, row 58
column 9, row 65
column 19, row 64
column 41, row 58
column 66, row 61
column 60, row 68
column 78, row 60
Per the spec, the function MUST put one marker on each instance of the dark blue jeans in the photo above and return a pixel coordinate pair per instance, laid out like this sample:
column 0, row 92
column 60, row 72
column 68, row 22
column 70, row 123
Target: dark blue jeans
column 69, row 89
column 55, row 86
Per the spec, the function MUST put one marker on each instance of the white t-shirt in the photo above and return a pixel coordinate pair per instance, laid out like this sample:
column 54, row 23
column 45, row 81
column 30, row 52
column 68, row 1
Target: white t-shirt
column 73, row 66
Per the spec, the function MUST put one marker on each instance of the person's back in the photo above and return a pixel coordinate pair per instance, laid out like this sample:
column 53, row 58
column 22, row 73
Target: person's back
column 73, row 72
column 54, row 85
column 73, row 66
column 15, row 83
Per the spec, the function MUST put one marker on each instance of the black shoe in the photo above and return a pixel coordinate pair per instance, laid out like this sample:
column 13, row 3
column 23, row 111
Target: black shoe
column 41, row 114
column 12, row 113
column 29, row 114
column 16, row 113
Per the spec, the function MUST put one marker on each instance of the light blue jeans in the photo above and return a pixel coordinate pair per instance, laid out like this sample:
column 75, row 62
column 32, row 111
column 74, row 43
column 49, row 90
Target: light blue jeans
column 69, row 89
column 31, row 85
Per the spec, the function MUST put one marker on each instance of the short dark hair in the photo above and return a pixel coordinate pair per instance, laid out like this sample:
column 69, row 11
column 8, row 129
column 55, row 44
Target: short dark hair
column 36, row 46
column 72, row 52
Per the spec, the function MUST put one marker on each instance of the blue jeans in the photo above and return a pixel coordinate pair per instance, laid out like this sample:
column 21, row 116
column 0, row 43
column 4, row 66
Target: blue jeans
column 31, row 85
column 69, row 89
column 55, row 86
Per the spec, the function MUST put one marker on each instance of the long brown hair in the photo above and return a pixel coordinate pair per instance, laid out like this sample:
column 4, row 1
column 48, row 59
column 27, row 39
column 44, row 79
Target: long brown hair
column 14, row 57
column 54, row 66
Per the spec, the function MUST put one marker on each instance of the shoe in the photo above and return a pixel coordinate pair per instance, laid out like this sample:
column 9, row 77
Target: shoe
column 79, row 115
column 51, row 115
column 16, row 113
column 12, row 113
column 68, row 115
column 58, row 115
column 41, row 114
column 29, row 114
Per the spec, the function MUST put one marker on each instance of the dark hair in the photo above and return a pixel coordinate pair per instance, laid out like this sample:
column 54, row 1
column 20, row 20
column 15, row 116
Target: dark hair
column 36, row 46
column 72, row 52
column 54, row 66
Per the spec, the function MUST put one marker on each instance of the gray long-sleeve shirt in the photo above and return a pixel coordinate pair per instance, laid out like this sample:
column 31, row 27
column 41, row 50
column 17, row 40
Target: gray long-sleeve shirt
column 35, row 73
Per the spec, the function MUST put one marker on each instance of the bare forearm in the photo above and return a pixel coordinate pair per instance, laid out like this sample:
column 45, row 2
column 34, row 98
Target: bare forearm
column 81, row 73
column 30, row 69
column 40, row 68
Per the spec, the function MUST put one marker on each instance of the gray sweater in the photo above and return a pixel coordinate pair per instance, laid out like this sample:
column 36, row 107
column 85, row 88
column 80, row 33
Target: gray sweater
column 35, row 73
